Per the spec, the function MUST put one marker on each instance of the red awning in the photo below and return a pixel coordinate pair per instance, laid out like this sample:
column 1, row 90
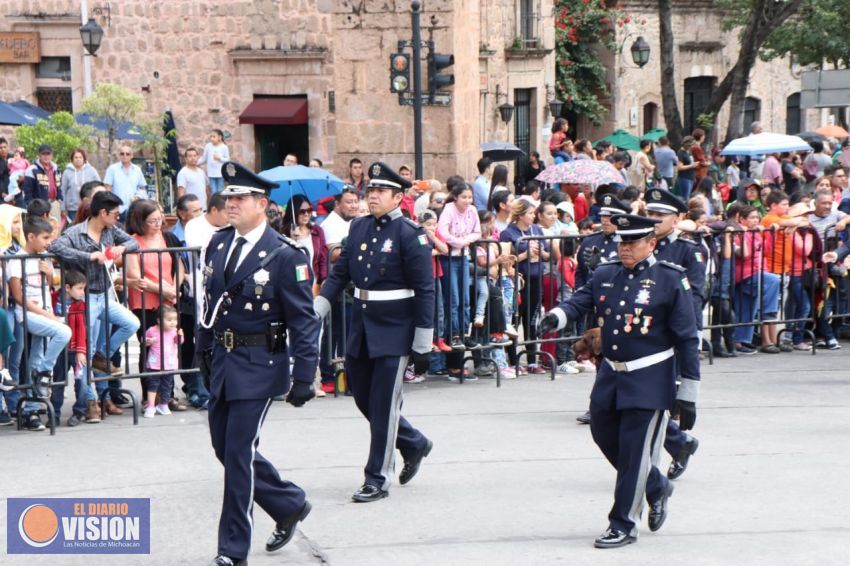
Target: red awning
column 275, row 112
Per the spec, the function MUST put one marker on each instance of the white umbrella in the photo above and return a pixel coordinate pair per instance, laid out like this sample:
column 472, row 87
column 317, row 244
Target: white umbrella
column 760, row 144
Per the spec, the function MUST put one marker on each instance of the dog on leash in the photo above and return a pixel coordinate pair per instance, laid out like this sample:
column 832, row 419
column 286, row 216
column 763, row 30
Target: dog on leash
column 589, row 347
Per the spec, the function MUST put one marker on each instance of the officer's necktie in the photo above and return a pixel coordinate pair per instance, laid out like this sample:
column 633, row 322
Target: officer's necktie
column 233, row 261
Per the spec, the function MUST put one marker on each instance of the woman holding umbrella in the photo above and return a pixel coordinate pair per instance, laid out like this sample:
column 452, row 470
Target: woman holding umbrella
column 297, row 223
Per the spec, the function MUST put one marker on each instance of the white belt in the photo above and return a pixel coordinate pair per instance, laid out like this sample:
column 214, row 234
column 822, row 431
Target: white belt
column 641, row 363
column 393, row 295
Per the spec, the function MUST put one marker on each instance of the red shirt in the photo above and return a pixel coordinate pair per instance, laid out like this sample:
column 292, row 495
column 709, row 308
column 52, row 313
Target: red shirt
column 580, row 208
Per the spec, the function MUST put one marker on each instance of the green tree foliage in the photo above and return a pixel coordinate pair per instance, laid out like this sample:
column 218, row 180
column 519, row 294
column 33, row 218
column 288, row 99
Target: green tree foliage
column 60, row 131
column 817, row 35
column 581, row 28
column 114, row 105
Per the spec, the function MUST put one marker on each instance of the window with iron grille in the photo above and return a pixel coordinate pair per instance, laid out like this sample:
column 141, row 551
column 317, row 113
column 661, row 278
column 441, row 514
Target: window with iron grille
column 529, row 22
column 54, row 99
column 522, row 130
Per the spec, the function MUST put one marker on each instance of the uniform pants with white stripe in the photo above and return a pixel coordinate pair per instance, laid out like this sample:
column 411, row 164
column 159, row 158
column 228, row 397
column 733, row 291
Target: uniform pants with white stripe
column 376, row 384
column 631, row 440
column 675, row 439
column 248, row 477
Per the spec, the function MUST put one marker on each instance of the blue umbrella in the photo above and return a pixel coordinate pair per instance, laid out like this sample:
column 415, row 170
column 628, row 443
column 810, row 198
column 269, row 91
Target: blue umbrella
column 10, row 115
column 32, row 109
column 125, row 131
column 312, row 182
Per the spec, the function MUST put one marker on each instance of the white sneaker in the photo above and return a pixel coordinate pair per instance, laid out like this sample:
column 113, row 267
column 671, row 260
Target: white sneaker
column 507, row 373
column 163, row 409
column 150, row 413
column 567, row 368
column 511, row 331
column 6, row 381
column 588, row 366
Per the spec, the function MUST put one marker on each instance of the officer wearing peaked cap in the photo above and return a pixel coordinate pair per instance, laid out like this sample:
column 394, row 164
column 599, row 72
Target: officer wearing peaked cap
column 258, row 294
column 388, row 258
column 644, row 312
column 599, row 247
column 666, row 207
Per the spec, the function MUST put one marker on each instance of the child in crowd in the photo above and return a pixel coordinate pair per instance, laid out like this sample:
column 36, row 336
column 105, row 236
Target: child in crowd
column 215, row 155
column 559, row 139
column 488, row 259
column 428, row 221
column 49, row 334
column 85, row 409
column 566, row 221
column 163, row 341
column 19, row 162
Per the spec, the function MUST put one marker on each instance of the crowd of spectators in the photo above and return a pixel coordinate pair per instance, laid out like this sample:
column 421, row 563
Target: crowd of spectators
column 501, row 257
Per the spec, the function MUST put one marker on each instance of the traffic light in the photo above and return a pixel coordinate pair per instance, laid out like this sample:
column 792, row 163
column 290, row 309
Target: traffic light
column 437, row 62
column 399, row 72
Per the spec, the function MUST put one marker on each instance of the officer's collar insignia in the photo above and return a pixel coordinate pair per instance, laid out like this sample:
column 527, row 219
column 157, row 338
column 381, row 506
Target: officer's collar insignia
column 261, row 277
column 265, row 306
column 262, row 254
column 231, row 169
column 220, row 246
column 249, row 306
column 388, row 246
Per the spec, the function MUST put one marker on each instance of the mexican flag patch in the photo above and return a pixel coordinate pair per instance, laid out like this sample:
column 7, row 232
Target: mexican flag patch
column 423, row 240
column 302, row 273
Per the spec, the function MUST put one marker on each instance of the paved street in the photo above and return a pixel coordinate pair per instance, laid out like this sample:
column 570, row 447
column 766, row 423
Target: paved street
column 513, row 479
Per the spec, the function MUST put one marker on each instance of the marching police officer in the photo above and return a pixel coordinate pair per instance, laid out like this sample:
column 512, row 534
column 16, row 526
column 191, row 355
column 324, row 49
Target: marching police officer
column 388, row 258
column 645, row 313
column 599, row 247
column 258, row 292
column 666, row 207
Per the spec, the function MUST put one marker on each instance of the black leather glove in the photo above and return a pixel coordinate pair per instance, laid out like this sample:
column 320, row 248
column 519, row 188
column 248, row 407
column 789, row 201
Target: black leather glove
column 205, row 362
column 300, row 393
column 547, row 324
column 421, row 362
column 592, row 257
column 687, row 414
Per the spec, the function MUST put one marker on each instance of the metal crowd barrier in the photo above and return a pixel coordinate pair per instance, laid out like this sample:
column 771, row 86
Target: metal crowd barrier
column 724, row 281
column 186, row 295
column 738, row 261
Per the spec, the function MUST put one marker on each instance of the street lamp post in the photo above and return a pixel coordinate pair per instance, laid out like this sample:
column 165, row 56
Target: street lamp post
column 640, row 51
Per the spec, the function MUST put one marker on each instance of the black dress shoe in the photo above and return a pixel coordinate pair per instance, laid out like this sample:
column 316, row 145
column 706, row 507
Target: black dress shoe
column 584, row 419
column 680, row 464
column 411, row 465
column 222, row 560
column 368, row 493
column 284, row 531
column 658, row 510
column 612, row 538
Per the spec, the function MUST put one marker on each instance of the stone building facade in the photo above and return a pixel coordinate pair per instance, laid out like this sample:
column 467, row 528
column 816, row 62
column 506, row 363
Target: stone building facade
column 704, row 54
column 324, row 64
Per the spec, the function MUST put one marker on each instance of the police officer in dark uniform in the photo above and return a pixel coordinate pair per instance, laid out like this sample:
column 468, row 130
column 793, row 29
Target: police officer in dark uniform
column 599, row 247
column 644, row 311
column 258, row 293
column 388, row 258
column 666, row 208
